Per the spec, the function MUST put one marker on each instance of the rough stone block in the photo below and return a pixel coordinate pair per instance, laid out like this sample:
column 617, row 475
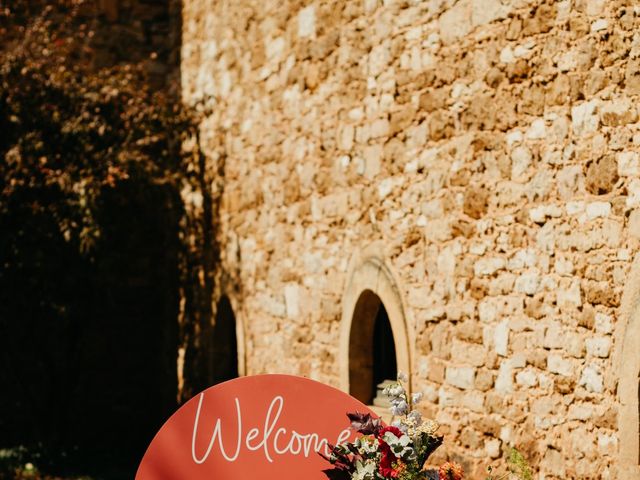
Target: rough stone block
column 528, row 282
column 501, row 338
column 435, row 370
column 523, row 258
column 628, row 164
column 473, row 401
column 594, row 8
column 599, row 346
column 633, row 190
column 632, row 76
column 603, row 323
column 569, row 294
column 484, row 380
column 307, row 22
column 580, row 411
column 455, row 22
column 448, row 397
column 487, row 11
column 461, row 377
column 553, row 462
column 504, row 381
column 553, row 337
column 618, row 112
column 292, row 300
column 592, row 379
column 372, row 161
column 575, row 345
column 468, row 353
column 521, row 159
column 527, row 378
column 475, row 201
column 492, row 447
column 570, row 181
column 607, row 444
column 558, row 364
column 345, row 137
column 598, row 210
column 584, row 118
column 602, row 175
column 380, row 128
column 488, row 266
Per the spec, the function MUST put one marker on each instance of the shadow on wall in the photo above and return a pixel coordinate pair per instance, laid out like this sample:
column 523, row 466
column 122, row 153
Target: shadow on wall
column 88, row 358
column 89, row 343
column 225, row 344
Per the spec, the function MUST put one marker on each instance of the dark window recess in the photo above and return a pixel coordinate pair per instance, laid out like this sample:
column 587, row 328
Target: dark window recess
column 225, row 346
column 372, row 353
column 384, row 351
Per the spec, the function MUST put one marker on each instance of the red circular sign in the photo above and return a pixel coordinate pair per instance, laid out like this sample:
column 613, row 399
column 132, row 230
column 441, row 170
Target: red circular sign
column 266, row 427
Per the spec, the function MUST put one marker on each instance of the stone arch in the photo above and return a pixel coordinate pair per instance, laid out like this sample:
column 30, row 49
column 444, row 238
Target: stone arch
column 627, row 364
column 370, row 284
column 228, row 342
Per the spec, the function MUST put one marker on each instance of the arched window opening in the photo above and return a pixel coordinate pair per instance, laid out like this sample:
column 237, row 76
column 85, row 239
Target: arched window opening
column 627, row 365
column 372, row 352
column 225, row 344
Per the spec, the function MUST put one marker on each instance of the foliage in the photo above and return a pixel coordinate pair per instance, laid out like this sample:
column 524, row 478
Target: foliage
column 398, row 451
column 92, row 164
column 517, row 466
column 68, row 132
column 401, row 450
column 14, row 466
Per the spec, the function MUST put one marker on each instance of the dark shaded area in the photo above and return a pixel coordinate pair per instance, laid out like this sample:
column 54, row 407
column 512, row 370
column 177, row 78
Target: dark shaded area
column 89, row 345
column 109, row 254
column 372, row 354
column 384, row 350
column 225, row 345
column 210, row 346
column 89, row 334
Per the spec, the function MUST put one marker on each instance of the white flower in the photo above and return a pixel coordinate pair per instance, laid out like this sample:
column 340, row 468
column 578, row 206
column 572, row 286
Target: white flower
column 395, row 392
column 365, row 470
column 367, row 444
column 399, row 407
column 402, row 377
column 401, row 447
column 415, row 417
column 416, row 397
column 429, row 427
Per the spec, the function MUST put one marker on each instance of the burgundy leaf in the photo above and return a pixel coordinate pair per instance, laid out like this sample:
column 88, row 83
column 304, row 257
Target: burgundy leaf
column 364, row 423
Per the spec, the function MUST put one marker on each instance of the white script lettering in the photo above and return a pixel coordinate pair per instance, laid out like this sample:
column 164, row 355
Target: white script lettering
column 298, row 444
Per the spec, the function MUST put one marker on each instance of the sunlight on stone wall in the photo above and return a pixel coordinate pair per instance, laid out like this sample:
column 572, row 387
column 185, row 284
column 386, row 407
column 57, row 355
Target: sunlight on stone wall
column 491, row 146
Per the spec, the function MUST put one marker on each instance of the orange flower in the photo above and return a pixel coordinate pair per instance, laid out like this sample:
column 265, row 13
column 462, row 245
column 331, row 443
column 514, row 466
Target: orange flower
column 451, row 471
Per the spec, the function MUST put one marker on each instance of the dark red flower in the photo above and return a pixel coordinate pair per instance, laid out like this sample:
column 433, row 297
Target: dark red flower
column 388, row 459
column 395, row 430
column 385, row 468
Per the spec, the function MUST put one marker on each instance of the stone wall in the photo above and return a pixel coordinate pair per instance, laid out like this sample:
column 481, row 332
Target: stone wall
column 486, row 153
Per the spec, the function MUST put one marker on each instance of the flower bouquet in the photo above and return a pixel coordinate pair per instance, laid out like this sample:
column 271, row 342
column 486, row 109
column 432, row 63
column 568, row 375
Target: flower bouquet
column 398, row 451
